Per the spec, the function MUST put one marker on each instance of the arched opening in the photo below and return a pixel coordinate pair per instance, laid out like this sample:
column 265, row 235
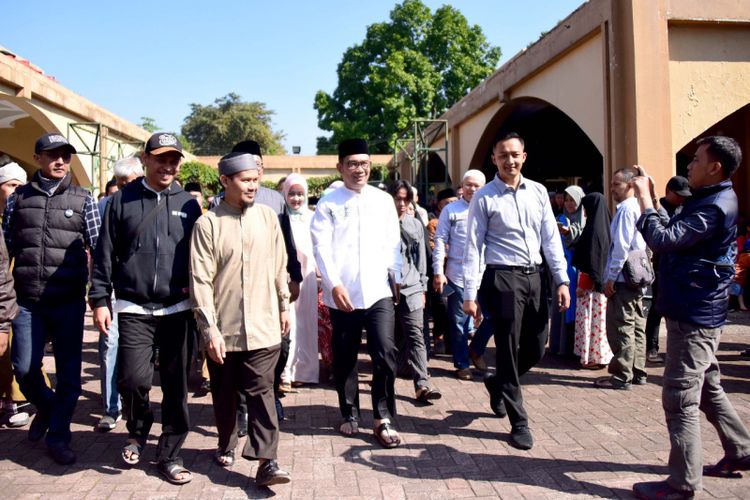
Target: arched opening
column 734, row 125
column 21, row 124
column 559, row 151
column 432, row 176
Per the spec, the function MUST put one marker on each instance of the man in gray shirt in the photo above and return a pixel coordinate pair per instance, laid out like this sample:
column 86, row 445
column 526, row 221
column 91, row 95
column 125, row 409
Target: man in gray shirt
column 410, row 308
column 513, row 218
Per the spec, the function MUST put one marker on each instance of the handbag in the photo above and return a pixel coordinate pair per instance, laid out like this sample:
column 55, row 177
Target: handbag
column 638, row 270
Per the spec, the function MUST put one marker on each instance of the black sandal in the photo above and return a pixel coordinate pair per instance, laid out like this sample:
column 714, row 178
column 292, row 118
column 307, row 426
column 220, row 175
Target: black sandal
column 170, row 471
column 427, row 395
column 135, row 447
column 386, row 427
column 724, row 468
column 224, row 459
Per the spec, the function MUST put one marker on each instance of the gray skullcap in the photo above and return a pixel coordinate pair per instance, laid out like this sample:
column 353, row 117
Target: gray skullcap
column 236, row 162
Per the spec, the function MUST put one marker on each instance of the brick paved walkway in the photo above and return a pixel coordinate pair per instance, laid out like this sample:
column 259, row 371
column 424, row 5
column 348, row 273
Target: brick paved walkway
column 589, row 443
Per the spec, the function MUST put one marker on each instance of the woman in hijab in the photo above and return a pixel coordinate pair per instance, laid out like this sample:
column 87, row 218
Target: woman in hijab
column 590, row 258
column 303, row 366
column 570, row 223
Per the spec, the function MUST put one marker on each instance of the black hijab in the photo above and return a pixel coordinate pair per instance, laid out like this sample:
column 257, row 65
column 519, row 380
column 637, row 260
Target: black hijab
column 590, row 254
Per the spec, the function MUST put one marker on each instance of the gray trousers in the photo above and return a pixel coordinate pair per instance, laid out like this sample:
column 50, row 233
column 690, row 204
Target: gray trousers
column 692, row 383
column 412, row 323
column 626, row 333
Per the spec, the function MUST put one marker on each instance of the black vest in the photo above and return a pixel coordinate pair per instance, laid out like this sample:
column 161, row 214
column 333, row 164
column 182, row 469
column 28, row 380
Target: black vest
column 49, row 248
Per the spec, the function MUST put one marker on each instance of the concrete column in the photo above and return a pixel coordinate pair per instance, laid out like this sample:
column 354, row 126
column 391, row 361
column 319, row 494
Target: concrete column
column 639, row 72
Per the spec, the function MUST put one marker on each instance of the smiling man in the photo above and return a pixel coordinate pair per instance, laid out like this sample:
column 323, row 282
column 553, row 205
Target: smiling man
column 357, row 243
column 239, row 285
column 143, row 254
column 512, row 217
column 48, row 224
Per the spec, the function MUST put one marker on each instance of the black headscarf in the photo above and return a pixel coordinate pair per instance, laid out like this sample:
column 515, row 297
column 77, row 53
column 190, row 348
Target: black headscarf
column 590, row 254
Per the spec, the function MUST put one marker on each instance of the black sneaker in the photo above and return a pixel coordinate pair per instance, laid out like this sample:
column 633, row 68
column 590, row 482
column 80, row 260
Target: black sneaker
column 639, row 381
column 38, row 427
column 269, row 474
column 521, row 438
column 659, row 489
column 61, row 453
column 108, row 422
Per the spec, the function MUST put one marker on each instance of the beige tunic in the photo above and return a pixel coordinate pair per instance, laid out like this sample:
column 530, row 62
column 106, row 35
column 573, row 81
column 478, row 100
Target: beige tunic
column 238, row 279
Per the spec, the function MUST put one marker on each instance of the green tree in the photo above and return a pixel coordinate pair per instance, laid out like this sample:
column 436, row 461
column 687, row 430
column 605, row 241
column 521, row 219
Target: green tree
column 214, row 129
column 149, row 124
column 416, row 65
column 205, row 175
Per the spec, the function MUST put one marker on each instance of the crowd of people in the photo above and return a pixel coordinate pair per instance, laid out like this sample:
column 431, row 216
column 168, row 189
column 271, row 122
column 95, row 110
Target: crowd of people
column 268, row 289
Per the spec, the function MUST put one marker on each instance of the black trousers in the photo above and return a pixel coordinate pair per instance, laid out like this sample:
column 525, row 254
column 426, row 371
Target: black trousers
column 378, row 321
column 139, row 335
column 250, row 373
column 518, row 306
column 653, row 320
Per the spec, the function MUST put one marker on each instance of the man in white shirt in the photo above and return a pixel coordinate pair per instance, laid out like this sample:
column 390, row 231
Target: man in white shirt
column 448, row 267
column 357, row 244
column 626, row 324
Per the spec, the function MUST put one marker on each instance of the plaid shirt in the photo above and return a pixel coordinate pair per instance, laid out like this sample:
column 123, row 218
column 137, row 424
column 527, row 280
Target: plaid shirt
column 90, row 213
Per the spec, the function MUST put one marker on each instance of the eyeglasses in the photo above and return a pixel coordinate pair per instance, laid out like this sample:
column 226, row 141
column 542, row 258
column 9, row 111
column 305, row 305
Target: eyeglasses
column 54, row 154
column 354, row 165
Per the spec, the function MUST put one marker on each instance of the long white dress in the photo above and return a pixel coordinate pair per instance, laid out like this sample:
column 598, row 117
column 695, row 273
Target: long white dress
column 303, row 353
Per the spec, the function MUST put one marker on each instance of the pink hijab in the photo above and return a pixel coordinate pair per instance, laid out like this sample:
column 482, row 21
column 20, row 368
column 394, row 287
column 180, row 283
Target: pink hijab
column 294, row 180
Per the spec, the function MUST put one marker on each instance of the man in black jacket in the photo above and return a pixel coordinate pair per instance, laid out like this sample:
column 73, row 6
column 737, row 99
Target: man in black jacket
column 48, row 224
column 143, row 253
column 697, row 249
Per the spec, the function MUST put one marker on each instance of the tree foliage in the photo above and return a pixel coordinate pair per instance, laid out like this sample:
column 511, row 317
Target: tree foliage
column 149, row 124
column 205, row 175
column 416, row 65
column 214, row 129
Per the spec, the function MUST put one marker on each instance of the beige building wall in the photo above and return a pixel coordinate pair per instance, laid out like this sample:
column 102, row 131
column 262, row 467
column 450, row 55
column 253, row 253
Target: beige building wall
column 709, row 71
column 471, row 132
column 278, row 166
column 574, row 84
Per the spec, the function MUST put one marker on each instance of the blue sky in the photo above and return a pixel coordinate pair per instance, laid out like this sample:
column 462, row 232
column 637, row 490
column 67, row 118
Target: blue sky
column 146, row 58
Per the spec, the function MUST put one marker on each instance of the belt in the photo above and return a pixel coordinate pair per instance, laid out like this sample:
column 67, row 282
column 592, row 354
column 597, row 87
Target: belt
column 532, row 269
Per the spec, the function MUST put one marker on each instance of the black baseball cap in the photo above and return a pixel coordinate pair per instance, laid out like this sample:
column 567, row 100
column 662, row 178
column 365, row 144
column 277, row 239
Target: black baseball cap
column 679, row 185
column 163, row 142
column 51, row 141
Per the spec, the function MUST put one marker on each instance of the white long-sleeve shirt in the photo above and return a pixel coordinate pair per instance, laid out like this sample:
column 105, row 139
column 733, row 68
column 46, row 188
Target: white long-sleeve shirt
column 625, row 237
column 357, row 242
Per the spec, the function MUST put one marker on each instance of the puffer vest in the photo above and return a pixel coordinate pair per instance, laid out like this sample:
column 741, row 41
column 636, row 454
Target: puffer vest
column 47, row 234
column 694, row 282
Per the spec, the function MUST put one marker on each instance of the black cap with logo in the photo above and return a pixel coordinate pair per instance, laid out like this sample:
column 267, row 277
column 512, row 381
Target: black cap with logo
column 163, row 142
column 55, row 140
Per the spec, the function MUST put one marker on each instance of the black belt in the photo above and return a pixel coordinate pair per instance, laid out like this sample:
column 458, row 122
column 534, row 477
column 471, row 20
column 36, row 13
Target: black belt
column 533, row 269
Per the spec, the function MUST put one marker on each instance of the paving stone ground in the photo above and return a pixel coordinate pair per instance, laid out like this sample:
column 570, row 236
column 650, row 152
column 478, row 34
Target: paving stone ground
column 590, row 443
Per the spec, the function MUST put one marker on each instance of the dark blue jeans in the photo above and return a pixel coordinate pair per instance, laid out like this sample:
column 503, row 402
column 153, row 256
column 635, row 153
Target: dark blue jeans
column 62, row 323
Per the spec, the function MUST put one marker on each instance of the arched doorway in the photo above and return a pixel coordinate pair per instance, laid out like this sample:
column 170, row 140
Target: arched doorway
column 737, row 126
column 432, row 176
column 559, row 151
column 21, row 124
